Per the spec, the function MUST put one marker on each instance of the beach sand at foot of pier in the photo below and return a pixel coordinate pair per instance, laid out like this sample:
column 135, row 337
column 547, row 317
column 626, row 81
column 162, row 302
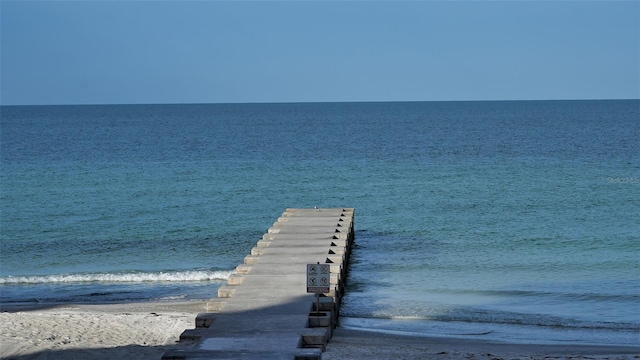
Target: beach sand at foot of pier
column 92, row 332
column 147, row 330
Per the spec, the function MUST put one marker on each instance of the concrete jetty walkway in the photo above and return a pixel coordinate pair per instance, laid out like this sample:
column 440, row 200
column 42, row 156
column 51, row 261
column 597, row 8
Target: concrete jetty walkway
column 264, row 311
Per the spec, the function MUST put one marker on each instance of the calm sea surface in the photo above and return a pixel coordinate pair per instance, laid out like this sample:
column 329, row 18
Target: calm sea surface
column 516, row 221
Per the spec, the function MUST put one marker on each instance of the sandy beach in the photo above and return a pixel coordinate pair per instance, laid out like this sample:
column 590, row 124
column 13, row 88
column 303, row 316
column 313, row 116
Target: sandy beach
column 146, row 330
column 113, row 331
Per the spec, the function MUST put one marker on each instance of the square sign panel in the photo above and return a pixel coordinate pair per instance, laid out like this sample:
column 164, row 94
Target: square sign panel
column 318, row 279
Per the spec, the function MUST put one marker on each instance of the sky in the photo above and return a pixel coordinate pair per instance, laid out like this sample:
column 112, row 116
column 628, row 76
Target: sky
column 147, row 52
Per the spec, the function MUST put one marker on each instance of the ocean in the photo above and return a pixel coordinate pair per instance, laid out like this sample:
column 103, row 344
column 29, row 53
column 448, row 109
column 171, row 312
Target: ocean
column 501, row 220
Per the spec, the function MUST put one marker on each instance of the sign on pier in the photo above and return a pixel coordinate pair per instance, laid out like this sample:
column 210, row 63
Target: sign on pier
column 318, row 278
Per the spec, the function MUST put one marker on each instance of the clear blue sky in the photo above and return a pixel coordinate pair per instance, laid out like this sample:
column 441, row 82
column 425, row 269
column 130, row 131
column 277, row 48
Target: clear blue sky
column 102, row 52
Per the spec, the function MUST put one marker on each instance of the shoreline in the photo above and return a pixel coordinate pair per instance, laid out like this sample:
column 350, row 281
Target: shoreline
column 364, row 344
column 146, row 329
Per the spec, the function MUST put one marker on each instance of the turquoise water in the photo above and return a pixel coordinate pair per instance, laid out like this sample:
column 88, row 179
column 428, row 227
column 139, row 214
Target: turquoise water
column 515, row 220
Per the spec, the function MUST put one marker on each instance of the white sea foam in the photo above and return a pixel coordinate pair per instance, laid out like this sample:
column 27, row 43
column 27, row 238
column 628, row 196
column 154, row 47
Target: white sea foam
column 132, row 277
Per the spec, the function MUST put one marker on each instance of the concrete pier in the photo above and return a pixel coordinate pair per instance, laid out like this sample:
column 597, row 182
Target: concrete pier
column 264, row 311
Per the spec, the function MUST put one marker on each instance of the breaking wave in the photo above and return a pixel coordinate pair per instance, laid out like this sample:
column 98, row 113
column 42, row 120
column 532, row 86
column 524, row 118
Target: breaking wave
column 122, row 277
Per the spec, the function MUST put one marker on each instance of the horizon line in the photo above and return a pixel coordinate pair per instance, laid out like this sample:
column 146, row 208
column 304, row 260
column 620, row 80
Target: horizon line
column 316, row 102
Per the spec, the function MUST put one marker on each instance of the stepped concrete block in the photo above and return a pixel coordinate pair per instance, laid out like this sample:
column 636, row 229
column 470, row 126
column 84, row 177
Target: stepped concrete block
column 326, row 304
column 235, row 279
column 226, row 291
column 329, row 236
column 194, row 334
column 316, row 218
column 287, row 256
column 257, row 324
column 267, row 292
column 318, row 212
column 340, row 243
column 310, row 249
column 243, row 269
column 315, row 337
column 307, row 230
column 335, row 268
column 237, row 343
column 262, row 244
column 308, row 354
column 323, row 319
column 281, row 267
column 272, row 306
column 287, row 252
column 317, row 222
column 300, row 225
column 255, row 279
column 215, row 305
column 334, row 259
column 266, row 261
column 204, row 320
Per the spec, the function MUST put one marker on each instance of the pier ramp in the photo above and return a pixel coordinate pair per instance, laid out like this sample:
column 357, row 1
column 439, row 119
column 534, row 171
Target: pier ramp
column 264, row 311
